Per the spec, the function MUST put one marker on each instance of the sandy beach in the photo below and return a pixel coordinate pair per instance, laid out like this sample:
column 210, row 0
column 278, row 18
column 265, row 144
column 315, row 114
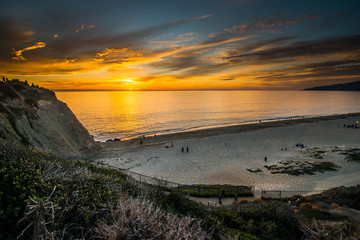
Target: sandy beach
column 224, row 155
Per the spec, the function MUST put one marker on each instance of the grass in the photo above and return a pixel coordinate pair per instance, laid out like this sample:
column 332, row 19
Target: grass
column 216, row 190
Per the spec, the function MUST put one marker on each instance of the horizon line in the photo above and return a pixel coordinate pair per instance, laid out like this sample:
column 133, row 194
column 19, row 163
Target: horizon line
column 165, row 90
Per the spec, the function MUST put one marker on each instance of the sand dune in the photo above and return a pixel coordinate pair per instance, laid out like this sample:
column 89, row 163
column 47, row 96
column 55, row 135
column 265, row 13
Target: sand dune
column 223, row 155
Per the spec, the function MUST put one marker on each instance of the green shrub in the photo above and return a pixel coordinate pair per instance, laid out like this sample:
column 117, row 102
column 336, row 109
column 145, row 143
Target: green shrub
column 202, row 190
column 266, row 220
column 319, row 214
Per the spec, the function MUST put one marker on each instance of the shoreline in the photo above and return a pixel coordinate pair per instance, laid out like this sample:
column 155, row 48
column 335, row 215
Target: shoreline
column 219, row 130
column 195, row 129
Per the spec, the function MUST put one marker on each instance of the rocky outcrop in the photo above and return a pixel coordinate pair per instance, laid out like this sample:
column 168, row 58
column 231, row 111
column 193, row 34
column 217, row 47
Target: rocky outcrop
column 33, row 116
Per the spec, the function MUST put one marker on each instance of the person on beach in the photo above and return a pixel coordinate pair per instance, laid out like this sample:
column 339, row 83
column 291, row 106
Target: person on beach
column 236, row 197
column 265, row 158
column 220, row 200
column 182, row 149
column 187, row 149
column 172, row 144
column 222, row 192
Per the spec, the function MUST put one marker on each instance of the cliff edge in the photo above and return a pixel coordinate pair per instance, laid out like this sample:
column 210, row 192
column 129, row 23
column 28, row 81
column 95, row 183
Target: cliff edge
column 33, row 116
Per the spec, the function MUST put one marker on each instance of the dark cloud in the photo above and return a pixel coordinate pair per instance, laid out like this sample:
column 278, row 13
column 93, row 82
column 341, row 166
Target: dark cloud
column 46, row 71
column 199, row 60
column 275, row 23
column 273, row 51
column 265, row 43
column 188, row 64
column 178, row 63
column 204, row 69
column 13, row 34
column 264, row 24
column 331, row 68
column 325, row 70
column 295, row 50
column 79, row 44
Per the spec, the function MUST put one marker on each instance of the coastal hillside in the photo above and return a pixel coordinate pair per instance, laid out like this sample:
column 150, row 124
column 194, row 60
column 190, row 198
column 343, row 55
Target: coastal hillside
column 351, row 86
column 46, row 197
column 33, row 116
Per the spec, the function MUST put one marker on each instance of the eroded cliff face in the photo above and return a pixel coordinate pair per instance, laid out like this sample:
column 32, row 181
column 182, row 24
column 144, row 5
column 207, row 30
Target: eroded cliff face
column 34, row 117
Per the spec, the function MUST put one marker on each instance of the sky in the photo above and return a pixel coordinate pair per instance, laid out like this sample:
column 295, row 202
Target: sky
column 180, row 45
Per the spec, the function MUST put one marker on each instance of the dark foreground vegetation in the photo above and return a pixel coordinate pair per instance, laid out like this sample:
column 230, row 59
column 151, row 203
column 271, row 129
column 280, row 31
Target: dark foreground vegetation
column 202, row 190
column 44, row 197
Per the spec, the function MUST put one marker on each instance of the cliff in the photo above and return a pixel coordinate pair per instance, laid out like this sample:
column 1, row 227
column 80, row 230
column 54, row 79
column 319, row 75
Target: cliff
column 33, row 116
column 351, row 86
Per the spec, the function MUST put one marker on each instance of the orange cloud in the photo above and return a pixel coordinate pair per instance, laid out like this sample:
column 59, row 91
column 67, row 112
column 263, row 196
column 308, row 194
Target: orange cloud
column 18, row 53
column 108, row 51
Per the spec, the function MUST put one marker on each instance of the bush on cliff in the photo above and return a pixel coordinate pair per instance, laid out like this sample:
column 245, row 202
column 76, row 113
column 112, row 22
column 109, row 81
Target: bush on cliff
column 266, row 220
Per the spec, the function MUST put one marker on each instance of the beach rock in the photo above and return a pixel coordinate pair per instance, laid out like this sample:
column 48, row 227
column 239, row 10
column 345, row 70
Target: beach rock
column 33, row 116
column 254, row 170
column 117, row 139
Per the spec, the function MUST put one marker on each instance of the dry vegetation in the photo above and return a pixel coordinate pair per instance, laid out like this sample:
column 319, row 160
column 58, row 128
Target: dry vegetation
column 140, row 219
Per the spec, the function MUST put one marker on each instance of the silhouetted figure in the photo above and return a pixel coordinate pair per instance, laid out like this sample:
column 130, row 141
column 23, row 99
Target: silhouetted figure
column 236, row 197
column 220, row 200
column 182, row 149
column 265, row 158
column 187, row 149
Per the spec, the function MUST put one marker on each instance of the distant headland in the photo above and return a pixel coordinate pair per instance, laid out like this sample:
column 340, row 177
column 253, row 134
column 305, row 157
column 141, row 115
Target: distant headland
column 351, row 86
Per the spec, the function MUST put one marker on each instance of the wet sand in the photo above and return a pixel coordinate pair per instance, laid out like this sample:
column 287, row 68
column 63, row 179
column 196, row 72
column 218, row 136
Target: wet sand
column 223, row 155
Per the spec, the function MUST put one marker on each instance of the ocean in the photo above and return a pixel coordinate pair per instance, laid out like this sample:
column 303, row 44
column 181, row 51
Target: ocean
column 129, row 114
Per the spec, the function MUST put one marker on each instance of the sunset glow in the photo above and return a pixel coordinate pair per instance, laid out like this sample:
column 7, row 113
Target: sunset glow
column 226, row 45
